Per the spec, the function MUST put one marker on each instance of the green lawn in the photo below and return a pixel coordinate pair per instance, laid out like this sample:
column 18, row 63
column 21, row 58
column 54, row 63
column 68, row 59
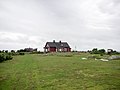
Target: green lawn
column 59, row 72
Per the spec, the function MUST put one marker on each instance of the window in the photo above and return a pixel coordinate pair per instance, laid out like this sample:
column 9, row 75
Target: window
column 65, row 49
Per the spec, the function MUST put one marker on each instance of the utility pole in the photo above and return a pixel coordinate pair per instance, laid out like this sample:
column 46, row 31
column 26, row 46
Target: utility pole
column 75, row 48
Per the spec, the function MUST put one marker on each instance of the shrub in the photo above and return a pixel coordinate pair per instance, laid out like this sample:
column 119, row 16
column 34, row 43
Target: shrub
column 21, row 53
column 8, row 57
column 4, row 57
column 96, row 51
column 40, row 52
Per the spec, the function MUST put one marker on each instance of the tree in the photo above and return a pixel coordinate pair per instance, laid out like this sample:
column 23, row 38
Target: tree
column 6, row 51
column 114, row 52
column 94, row 51
column 13, row 51
column 3, row 51
column 101, row 52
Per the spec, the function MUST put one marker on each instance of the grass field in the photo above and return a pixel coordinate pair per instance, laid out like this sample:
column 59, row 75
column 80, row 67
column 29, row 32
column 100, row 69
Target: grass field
column 59, row 72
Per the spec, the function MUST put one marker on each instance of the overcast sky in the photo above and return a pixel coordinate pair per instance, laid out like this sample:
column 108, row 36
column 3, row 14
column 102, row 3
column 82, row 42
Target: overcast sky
column 85, row 24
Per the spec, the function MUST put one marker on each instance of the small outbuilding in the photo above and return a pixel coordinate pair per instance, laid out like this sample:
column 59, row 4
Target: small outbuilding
column 109, row 51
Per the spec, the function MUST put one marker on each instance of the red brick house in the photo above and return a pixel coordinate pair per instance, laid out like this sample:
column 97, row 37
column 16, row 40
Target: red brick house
column 57, row 47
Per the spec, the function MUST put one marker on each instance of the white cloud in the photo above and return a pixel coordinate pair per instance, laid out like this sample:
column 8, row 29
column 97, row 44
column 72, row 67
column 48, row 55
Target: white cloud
column 10, row 40
column 82, row 23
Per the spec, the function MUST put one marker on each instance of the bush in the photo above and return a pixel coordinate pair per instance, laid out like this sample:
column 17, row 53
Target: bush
column 5, row 57
column 2, row 57
column 21, row 53
column 96, row 51
column 8, row 57
column 16, row 53
column 36, row 52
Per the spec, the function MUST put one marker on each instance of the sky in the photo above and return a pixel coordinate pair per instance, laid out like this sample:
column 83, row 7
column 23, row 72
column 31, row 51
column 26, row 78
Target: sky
column 84, row 24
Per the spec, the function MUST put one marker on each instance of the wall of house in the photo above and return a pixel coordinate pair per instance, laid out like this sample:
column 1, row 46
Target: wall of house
column 52, row 49
column 68, row 49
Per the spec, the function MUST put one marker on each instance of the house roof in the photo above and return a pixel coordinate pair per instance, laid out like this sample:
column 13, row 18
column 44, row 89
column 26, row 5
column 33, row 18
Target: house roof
column 57, row 44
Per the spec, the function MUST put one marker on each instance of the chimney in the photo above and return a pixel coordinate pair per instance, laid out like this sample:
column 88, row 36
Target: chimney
column 54, row 41
column 60, row 41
